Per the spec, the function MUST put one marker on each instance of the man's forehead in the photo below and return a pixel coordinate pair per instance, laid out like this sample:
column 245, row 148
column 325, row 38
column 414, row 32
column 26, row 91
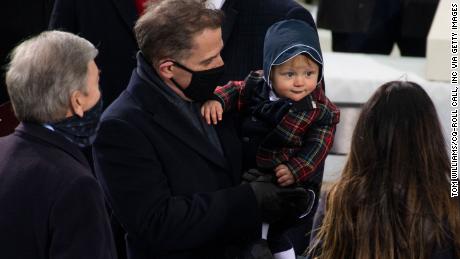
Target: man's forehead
column 207, row 43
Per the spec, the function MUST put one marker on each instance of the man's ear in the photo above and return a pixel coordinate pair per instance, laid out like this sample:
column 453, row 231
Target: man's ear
column 165, row 68
column 76, row 104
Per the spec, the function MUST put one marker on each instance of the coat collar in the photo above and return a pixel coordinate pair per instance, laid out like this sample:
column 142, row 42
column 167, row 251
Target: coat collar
column 143, row 87
column 52, row 138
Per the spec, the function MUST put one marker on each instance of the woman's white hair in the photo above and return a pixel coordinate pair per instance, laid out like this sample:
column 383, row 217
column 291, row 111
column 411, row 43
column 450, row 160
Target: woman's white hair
column 43, row 73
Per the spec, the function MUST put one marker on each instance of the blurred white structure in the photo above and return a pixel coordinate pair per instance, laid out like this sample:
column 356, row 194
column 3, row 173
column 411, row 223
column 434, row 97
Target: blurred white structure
column 353, row 78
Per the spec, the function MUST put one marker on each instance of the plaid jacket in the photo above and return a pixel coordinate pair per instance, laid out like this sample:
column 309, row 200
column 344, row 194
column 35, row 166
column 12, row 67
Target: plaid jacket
column 302, row 133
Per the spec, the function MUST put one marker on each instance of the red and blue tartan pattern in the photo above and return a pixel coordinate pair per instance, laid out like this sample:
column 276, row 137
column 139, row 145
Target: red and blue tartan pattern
column 304, row 140
column 231, row 95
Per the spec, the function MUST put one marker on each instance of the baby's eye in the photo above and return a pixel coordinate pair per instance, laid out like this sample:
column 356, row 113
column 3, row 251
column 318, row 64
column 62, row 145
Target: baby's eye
column 289, row 74
column 309, row 73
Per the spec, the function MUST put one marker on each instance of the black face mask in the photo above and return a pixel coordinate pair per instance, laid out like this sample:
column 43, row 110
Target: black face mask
column 81, row 130
column 203, row 83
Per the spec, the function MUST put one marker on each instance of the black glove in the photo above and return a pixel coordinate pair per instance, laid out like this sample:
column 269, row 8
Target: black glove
column 253, row 174
column 274, row 201
column 269, row 202
column 297, row 206
column 272, row 112
column 257, row 250
column 254, row 77
column 305, row 104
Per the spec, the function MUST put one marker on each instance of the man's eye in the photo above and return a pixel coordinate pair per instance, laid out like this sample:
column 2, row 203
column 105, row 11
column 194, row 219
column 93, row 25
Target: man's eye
column 206, row 63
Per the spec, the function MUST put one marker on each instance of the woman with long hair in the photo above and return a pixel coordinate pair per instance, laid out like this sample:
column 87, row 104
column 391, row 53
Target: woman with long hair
column 393, row 199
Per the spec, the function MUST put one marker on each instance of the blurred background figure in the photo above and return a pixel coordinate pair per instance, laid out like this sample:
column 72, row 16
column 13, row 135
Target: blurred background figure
column 393, row 199
column 373, row 26
column 18, row 20
column 51, row 205
column 7, row 119
column 108, row 24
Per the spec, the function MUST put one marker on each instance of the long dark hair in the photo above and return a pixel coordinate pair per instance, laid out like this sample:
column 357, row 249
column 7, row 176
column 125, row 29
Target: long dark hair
column 393, row 199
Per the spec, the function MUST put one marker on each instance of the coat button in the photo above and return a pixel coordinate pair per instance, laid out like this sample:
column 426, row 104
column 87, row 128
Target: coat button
column 253, row 118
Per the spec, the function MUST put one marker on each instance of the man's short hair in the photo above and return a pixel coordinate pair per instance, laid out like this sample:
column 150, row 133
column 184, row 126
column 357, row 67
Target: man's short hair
column 167, row 28
column 43, row 73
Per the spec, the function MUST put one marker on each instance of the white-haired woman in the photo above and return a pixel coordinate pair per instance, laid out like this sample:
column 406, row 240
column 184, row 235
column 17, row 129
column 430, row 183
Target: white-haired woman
column 50, row 204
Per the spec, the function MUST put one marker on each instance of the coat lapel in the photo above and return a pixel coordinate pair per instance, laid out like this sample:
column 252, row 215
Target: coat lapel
column 173, row 122
column 54, row 139
column 168, row 117
column 231, row 145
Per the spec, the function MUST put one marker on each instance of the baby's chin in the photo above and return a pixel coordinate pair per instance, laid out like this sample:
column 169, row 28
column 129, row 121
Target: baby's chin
column 296, row 98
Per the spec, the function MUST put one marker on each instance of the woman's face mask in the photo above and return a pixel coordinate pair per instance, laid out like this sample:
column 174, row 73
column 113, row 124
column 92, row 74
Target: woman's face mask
column 203, row 83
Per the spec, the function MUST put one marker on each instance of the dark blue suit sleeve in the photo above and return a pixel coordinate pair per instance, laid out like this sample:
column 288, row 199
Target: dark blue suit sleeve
column 139, row 192
column 79, row 224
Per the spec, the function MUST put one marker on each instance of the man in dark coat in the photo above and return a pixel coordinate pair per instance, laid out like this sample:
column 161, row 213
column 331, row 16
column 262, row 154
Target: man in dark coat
column 51, row 206
column 173, row 181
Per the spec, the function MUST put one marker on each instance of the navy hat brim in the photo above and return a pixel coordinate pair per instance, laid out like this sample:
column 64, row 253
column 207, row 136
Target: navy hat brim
column 296, row 50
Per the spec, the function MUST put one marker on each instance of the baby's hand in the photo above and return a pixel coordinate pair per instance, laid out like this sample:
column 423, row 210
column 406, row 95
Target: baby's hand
column 284, row 175
column 212, row 110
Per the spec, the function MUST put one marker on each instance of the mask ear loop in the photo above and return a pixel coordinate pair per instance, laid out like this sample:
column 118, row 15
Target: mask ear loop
column 182, row 66
column 179, row 65
column 177, row 84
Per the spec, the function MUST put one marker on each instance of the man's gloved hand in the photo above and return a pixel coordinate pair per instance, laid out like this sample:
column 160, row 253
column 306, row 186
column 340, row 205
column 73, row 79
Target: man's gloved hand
column 253, row 174
column 277, row 202
column 297, row 208
column 269, row 202
column 257, row 250
column 299, row 204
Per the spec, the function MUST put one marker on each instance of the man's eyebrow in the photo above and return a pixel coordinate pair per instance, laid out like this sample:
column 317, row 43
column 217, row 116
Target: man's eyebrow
column 204, row 62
